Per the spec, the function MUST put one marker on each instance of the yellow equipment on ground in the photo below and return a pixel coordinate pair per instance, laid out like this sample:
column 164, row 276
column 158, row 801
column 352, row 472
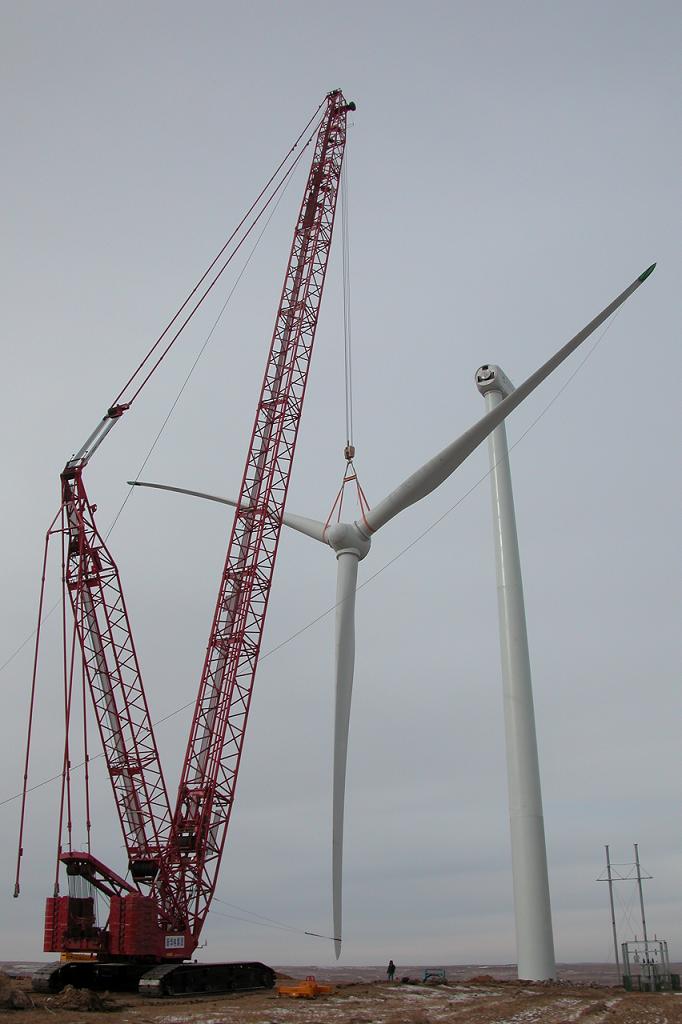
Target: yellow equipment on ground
column 308, row 989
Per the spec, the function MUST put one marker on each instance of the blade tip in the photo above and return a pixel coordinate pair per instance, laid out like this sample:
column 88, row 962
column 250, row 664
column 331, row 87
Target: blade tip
column 647, row 272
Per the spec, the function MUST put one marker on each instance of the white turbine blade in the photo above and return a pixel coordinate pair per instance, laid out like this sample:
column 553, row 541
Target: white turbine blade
column 346, row 582
column 309, row 527
column 439, row 468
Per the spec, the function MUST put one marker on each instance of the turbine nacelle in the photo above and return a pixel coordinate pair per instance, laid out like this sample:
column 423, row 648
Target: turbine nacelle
column 346, row 538
column 491, row 378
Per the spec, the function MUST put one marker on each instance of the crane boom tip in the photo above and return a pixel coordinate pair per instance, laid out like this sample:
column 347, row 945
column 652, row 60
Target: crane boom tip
column 649, row 270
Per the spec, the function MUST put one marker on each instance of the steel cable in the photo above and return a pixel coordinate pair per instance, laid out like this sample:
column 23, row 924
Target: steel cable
column 210, row 268
column 285, row 183
column 347, row 354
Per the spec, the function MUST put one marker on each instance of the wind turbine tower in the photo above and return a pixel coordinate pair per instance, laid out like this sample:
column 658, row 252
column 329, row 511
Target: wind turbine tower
column 532, row 910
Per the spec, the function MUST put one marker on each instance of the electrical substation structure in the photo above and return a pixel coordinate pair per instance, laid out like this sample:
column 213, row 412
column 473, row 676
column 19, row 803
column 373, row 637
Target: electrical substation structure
column 646, row 964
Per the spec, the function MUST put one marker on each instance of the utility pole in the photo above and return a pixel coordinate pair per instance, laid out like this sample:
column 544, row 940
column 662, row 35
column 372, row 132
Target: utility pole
column 641, row 899
column 613, row 915
column 626, row 873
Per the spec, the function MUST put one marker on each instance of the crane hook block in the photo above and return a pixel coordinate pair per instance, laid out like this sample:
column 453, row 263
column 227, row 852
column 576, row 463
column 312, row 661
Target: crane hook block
column 349, row 452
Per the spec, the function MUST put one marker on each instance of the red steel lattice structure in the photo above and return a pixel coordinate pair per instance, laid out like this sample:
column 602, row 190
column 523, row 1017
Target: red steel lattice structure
column 113, row 674
column 207, row 785
column 177, row 856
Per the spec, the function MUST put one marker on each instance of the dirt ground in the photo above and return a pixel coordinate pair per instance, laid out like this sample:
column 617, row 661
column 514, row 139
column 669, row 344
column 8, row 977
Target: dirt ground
column 481, row 1000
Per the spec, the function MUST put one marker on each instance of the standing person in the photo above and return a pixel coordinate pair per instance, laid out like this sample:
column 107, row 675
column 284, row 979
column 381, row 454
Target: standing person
column 390, row 970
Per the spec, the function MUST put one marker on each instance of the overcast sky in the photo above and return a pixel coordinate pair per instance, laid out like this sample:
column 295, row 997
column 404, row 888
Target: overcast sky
column 512, row 167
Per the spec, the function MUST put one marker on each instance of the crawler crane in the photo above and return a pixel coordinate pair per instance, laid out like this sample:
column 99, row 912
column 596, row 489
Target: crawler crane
column 156, row 913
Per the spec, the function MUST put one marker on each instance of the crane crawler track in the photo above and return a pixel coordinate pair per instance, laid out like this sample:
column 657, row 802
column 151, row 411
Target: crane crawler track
column 155, row 982
column 208, row 979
